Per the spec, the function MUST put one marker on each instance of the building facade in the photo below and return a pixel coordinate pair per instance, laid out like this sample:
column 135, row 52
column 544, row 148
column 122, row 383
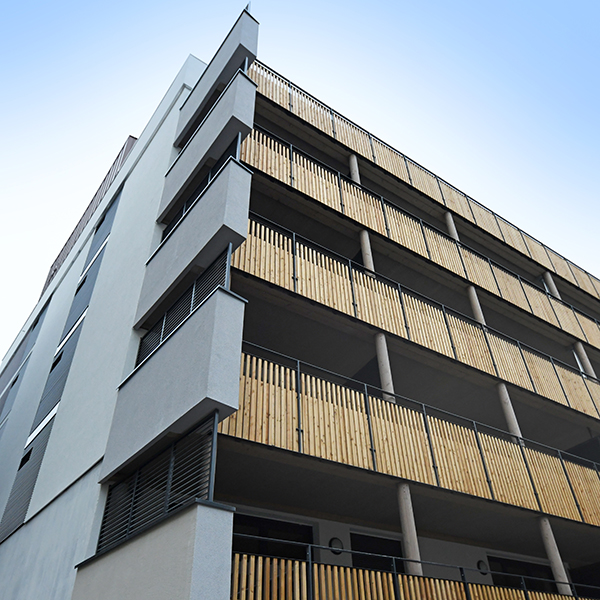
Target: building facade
column 279, row 359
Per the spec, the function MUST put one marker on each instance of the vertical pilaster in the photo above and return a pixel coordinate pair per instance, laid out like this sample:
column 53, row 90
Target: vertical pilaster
column 508, row 410
column 409, row 530
column 556, row 563
column 475, row 305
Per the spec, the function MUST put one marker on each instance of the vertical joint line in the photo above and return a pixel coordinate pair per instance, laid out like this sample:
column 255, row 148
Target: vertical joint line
column 525, row 294
column 462, row 260
column 449, row 332
column 333, row 124
column 562, row 387
column 291, row 165
column 441, row 192
column 407, row 170
column 526, row 367
column 487, row 341
column 213, row 457
column 341, row 193
column 354, row 305
column 562, row 462
column 227, row 268
column 299, row 402
column 465, row 583
column 499, row 228
column 495, row 279
column 290, row 103
column 169, row 479
column 425, row 239
column 369, row 423
column 535, row 492
column 385, row 219
column 133, row 501
column 294, row 253
column 372, row 148
column 406, row 325
column 238, row 146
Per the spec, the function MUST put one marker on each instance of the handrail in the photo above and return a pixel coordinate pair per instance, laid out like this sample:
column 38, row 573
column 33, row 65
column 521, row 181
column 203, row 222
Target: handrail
column 521, row 281
column 462, row 571
column 371, row 155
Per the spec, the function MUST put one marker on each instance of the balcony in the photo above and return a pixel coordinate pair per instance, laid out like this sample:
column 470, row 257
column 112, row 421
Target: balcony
column 188, row 369
column 232, row 115
column 218, row 217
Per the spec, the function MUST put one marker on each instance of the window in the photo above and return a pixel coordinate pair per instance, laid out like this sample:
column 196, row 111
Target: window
column 391, row 549
column 509, row 572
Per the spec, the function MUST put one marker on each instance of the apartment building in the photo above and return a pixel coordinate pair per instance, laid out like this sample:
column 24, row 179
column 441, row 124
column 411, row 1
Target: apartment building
column 278, row 359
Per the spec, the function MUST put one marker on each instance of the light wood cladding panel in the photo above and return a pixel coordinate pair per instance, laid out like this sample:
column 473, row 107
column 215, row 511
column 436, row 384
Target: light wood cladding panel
column 334, row 422
column 508, row 472
column 540, row 304
column 590, row 329
column 266, row 578
column 444, row 251
column 509, row 360
column 459, row 463
column 596, row 283
column 471, row 346
column 406, row 230
column 267, row 154
column 485, row 219
column 586, row 485
column 378, row 303
column 576, row 390
column 593, row 387
column 348, row 583
column 363, row 207
column 538, row 252
column 267, row 254
column 456, row 201
column 400, row 441
column 561, row 267
column 270, row 84
column 352, row 136
column 427, row 325
column 479, row 270
column 323, row 279
column 488, row 592
column 428, row 588
column 311, row 110
column 510, row 288
column 316, row 181
column 544, row 376
column 551, row 485
column 268, row 407
column 391, row 160
column 583, row 279
column 566, row 318
column 425, row 182
column 513, row 236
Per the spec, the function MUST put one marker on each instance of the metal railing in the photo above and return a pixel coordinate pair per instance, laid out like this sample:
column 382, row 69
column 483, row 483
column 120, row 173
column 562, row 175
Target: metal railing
column 297, row 406
column 284, row 258
column 215, row 276
column 174, row 478
column 308, row 108
column 312, row 577
column 318, row 180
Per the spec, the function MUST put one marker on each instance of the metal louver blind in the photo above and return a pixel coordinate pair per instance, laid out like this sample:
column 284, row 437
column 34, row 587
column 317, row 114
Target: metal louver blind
column 178, row 475
column 22, row 489
column 213, row 277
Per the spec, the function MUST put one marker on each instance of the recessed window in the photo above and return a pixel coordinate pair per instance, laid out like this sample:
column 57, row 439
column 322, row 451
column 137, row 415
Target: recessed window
column 366, row 548
column 25, row 460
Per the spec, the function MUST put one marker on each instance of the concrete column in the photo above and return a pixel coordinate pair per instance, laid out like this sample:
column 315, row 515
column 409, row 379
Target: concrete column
column 584, row 360
column 451, row 225
column 556, row 563
column 508, row 410
column 409, row 530
column 383, row 363
column 354, row 173
column 549, row 280
column 475, row 306
column 365, row 247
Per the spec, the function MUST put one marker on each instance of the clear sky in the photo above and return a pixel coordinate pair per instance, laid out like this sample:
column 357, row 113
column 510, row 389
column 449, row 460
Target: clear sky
column 499, row 98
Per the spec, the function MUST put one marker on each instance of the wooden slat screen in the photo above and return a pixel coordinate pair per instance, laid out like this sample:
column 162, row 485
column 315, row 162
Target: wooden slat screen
column 346, row 583
column 576, row 390
column 378, row 303
column 334, row 423
column 456, row 201
column 352, row 136
column 567, row 319
column 540, row 304
column 460, row 467
column 594, row 390
column 270, row 84
column 391, row 160
column 406, row 230
column 316, row 181
column 590, row 329
column 266, row 153
column 444, row 251
column 509, row 360
column 363, row 207
column 427, row 588
column 268, row 408
column 551, row 484
column 513, row 236
column 311, row 110
column 584, row 280
column 510, row 288
column 485, row 219
column 544, row 376
column 470, row 344
column 561, row 266
column 510, row 480
column 479, row 270
column 488, row 592
column 427, row 325
column 323, row 279
column 425, row 182
column 400, row 439
column 538, row 252
column 586, row 484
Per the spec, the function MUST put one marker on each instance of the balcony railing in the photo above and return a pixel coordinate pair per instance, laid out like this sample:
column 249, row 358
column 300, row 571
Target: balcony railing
column 298, row 407
column 285, row 259
column 259, row 577
column 286, row 163
column 287, row 95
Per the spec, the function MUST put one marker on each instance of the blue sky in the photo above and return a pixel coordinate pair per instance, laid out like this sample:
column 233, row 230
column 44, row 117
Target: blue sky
column 499, row 98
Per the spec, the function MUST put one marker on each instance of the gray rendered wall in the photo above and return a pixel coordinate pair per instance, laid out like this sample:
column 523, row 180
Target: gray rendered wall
column 186, row 557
